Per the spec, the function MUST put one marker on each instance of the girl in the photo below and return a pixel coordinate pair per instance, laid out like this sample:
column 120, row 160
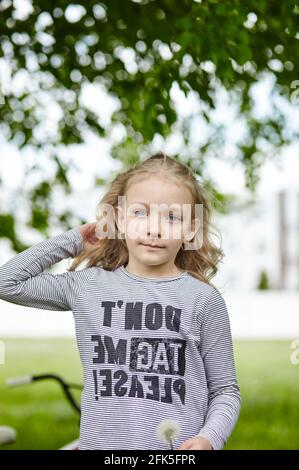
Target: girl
column 153, row 333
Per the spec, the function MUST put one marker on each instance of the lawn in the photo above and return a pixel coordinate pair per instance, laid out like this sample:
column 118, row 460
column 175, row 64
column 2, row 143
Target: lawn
column 268, row 380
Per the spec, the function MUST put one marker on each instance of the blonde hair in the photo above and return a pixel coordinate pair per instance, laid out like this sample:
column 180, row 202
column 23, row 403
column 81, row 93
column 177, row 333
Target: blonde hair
column 110, row 253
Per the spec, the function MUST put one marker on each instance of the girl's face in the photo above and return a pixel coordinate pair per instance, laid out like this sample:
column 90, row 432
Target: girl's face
column 153, row 215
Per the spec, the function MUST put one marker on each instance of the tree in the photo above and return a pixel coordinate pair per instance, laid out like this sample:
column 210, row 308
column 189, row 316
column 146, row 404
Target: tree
column 263, row 281
column 201, row 46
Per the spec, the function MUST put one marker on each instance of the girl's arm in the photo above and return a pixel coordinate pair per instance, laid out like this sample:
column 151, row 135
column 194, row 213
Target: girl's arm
column 216, row 349
column 23, row 282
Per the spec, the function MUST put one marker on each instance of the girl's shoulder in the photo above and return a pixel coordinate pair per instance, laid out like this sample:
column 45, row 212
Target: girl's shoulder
column 204, row 293
column 93, row 271
column 200, row 287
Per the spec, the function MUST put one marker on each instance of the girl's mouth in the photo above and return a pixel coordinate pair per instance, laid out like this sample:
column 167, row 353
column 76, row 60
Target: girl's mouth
column 152, row 247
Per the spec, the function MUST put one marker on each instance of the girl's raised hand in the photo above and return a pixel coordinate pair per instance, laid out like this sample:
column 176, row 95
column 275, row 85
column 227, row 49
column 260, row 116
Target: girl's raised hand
column 88, row 233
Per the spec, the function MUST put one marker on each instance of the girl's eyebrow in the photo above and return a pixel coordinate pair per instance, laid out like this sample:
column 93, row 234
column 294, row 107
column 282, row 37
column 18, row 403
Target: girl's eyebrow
column 146, row 204
column 139, row 202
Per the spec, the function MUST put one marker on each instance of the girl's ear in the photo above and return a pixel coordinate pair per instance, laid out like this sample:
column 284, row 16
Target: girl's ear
column 195, row 225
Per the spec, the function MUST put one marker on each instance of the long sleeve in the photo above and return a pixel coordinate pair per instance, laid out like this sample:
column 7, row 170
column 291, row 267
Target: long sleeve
column 216, row 349
column 23, row 282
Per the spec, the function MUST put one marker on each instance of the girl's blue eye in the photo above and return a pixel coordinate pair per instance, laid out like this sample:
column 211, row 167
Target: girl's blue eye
column 176, row 218
column 137, row 210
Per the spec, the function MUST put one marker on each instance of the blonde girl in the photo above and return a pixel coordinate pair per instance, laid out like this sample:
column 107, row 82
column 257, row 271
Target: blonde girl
column 153, row 332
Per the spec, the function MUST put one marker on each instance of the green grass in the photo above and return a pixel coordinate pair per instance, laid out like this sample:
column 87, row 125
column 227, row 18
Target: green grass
column 269, row 385
column 44, row 420
column 38, row 411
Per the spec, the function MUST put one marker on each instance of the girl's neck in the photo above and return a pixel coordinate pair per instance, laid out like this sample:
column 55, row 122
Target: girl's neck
column 149, row 271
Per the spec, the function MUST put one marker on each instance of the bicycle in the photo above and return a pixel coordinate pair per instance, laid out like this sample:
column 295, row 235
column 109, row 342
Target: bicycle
column 8, row 434
column 166, row 430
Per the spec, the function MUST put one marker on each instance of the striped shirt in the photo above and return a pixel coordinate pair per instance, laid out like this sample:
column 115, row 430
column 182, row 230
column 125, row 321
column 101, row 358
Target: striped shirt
column 151, row 348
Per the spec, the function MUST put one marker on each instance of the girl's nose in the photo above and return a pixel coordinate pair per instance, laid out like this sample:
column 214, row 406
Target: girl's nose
column 154, row 229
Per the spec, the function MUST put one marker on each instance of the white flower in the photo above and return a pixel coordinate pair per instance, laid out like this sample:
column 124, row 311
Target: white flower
column 168, row 430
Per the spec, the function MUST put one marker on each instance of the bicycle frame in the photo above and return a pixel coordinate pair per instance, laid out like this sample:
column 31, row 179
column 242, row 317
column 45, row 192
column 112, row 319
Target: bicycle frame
column 66, row 387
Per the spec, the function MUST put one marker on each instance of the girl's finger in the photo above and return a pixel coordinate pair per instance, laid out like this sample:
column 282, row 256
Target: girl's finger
column 186, row 445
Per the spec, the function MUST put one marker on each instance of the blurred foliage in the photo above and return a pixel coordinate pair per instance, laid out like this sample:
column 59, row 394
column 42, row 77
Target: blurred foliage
column 8, row 230
column 56, row 48
column 263, row 282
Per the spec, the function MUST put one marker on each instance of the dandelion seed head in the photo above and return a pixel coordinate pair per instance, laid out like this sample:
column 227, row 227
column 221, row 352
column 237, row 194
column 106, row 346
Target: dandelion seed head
column 167, row 430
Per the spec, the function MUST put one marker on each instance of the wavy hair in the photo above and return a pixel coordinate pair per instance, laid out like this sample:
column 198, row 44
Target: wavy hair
column 111, row 252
